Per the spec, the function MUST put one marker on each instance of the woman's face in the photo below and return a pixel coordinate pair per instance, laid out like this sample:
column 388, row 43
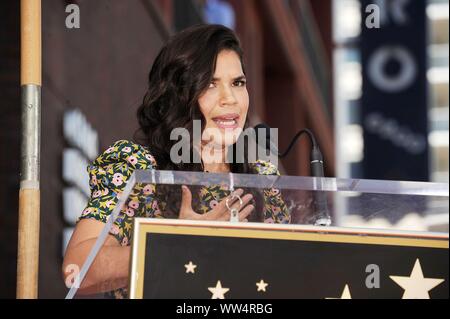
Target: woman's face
column 225, row 103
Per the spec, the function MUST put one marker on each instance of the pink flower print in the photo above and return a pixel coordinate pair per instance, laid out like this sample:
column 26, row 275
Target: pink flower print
column 125, row 241
column 97, row 194
column 129, row 212
column 133, row 160
column 269, row 221
column 87, row 211
column 105, row 192
column 109, row 203
column 274, row 191
column 126, row 149
column 134, row 204
column 149, row 157
column 155, row 205
column 94, row 180
column 115, row 230
column 117, row 179
column 213, row 204
column 148, row 189
column 109, row 150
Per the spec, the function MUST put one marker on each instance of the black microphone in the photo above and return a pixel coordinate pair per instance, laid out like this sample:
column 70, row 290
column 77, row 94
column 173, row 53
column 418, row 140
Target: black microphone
column 317, row 168
column 316, row 157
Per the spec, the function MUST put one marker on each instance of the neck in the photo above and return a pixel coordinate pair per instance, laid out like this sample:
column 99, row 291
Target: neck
column 213, row 160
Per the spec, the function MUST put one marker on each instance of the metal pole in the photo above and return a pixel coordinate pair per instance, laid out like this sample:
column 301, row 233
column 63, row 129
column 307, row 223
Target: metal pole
column 29, row 194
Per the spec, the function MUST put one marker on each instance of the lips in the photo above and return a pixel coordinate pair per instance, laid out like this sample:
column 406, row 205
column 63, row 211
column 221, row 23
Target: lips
column 227, row 121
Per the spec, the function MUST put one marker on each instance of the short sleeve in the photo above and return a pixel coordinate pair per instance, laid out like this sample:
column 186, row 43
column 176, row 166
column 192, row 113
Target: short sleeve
column 275, row 209
column 108, row 176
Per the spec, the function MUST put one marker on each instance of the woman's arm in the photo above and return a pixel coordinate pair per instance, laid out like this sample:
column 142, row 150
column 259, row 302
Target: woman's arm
column 110, row 269
column 108, row 176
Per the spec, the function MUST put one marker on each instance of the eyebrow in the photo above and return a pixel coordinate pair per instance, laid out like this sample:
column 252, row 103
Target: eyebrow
column 239, row 78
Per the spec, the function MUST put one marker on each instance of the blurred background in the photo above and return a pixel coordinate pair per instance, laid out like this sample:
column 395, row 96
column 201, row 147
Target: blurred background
column 377, row 97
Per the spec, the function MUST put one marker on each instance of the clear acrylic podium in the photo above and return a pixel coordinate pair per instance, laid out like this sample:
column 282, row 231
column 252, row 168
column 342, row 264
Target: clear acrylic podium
column 337, row 228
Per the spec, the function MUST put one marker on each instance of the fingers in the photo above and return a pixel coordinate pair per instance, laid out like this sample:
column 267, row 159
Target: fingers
column 239, row 206
column 221, row 212
column 245, row 213
column 186, row 198
column 245, row 200
column 232, row 200
column 186, row 211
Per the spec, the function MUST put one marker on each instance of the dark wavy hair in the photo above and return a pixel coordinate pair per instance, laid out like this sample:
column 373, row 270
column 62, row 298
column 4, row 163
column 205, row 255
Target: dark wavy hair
column 182, row 71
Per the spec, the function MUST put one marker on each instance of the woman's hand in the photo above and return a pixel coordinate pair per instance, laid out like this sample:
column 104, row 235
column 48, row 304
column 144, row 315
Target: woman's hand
column 220, row 212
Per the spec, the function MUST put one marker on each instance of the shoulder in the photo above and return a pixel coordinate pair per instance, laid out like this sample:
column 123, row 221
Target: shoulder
column 108, row 176
column 112, row 168
column 126, row 152
column 263, row 167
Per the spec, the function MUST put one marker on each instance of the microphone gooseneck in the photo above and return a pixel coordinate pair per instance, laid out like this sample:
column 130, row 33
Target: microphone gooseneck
column 316, row 157
column 322, row 217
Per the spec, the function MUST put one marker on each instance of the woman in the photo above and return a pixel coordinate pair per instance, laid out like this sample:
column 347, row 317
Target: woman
column 198, row 75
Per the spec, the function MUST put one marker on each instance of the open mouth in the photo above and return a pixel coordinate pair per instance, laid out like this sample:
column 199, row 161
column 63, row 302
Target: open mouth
column 227, row 121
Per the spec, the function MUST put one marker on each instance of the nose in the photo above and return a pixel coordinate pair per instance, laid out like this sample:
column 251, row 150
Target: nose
column 227, row 97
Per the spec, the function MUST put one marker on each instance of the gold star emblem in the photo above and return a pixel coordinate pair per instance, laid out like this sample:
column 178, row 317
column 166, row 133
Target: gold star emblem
column 190, row 268
column 416, row 286
column 217, row 291
column 345, row 294
column 262, row 285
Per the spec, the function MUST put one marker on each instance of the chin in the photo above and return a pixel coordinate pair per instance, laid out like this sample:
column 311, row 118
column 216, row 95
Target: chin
column 231, row 136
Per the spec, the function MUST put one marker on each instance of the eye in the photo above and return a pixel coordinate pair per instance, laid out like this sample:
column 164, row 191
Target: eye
column 212, row 85
column 240, row 83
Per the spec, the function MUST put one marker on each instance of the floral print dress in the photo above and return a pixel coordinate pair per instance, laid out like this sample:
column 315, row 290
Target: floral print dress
column 108, row 176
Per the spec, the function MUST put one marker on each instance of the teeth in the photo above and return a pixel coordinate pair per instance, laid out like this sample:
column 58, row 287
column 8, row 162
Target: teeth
column 232, row 122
